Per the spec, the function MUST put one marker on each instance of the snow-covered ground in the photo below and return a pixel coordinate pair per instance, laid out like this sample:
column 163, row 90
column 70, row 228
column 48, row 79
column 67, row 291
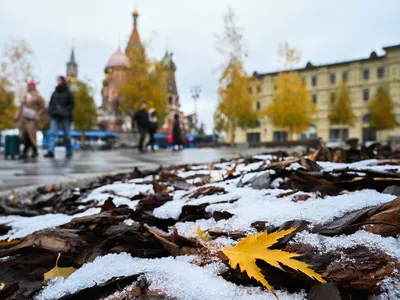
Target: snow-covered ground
column 174, row 276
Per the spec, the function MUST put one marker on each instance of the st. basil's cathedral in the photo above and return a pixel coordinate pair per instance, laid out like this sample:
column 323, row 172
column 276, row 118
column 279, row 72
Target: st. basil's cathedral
column 109, row 116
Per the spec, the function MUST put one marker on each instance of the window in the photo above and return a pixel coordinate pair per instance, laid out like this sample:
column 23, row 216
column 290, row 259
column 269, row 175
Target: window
column 253, row 137
column 314, row 80
column 366, row 94
column 333, row 97
column 369, row 135
column 366, row 74
column 345, row 76
column 380, row 73
column 258, row 105
column 259, row 89
column 366, row 118
column 170, row 100
column 334, row 134
column 333, row 78
column 250, row 90
column 314, row 98
column 280, row 136
column 258, row 123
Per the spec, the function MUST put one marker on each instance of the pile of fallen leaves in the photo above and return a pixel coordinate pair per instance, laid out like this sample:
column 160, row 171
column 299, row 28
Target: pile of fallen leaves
column 54, row 233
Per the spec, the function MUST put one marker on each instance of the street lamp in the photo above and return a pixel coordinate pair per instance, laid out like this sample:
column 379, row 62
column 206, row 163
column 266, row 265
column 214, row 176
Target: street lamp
column 195, row 91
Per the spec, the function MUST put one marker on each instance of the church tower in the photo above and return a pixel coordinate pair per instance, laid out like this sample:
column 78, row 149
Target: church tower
column 169, row 66
column 134, row 46
column 72, row 66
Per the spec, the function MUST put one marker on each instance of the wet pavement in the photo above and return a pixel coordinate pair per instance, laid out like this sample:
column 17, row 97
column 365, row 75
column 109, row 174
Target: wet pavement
column 17, row 174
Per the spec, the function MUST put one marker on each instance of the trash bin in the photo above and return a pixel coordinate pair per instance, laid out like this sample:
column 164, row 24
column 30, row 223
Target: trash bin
column 11, row 146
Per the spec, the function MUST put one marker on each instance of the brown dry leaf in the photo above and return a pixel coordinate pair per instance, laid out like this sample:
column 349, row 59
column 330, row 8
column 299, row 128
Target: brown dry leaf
column 58, row 272
column 231, row 172
column 6, row 243
column 254, row 247
column 201, row 234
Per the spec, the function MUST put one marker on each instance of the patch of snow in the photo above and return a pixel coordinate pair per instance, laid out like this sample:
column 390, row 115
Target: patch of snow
column 266, row 157
column 370, row 164
column 130, row 222
column 389, row 245
column 123, row 190
column 390, row 288
column 277, row 182
column 22, row 226
column 174, row 276
column 263, row 205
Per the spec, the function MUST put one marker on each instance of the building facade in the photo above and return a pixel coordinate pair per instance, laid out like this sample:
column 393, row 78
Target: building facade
column 362, row 76
column 109, row 115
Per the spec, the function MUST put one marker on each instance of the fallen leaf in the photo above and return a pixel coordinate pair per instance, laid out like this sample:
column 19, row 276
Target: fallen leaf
column 58, row 272
column 201, row 234
column 6, row 243
column 254, row 247
column 2, row 285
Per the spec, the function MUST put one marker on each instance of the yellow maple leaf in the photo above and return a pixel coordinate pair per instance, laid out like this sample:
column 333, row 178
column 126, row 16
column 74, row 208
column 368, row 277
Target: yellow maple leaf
column 201, row 234
column 254, row 247
column 58, row 272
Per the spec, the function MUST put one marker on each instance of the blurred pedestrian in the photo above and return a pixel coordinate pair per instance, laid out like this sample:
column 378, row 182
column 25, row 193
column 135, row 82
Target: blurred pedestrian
column 153, row 126
column 141, row 118
column 60, row 110
column 177, row 141
column 30, row 110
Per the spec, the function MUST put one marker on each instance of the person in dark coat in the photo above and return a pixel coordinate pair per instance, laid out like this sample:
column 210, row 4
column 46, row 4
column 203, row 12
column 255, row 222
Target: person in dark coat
column 153, row 126
column 60, row 110
column 141, row 119
column 177, row 141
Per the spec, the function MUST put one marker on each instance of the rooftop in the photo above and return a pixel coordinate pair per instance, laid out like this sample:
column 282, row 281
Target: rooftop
column 309, row 66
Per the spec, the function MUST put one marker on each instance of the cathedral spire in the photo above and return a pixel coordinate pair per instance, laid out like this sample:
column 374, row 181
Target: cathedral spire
column 72, row 66
column 134, row 42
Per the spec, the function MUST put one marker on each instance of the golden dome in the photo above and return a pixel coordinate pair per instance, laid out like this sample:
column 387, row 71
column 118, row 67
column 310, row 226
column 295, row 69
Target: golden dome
column 135, row 13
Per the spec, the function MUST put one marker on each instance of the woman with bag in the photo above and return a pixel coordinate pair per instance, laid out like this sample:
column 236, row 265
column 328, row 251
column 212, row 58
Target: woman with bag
column 28, row 118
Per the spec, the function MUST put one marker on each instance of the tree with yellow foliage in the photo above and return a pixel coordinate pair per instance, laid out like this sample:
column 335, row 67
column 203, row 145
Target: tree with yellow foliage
column 235, row 108
column 144, row 80
column 8, row 108
column 340, row 111
column 381, row 110
column 292, row 107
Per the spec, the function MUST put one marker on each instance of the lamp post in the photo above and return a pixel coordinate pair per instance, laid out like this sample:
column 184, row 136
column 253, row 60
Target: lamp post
column 195, row 91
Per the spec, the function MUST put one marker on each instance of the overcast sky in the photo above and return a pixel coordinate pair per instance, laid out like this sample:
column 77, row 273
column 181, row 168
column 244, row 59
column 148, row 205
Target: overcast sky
column 324, row 31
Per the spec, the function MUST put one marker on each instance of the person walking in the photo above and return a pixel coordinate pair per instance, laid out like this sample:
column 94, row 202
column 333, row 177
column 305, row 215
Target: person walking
column 30, row 110
column 141, row 118
column 60, row 110
column 153, row 126
column 177, row 141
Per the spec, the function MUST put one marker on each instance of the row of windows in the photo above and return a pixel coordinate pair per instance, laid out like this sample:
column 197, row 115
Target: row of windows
column 332, row 97
column 251, row 90
column 380, row 73
column 334, row 134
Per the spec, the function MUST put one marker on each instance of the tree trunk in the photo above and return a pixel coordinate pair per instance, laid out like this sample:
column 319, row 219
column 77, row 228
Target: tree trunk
column 341, row 131
column 233, row 137
column 83, row 140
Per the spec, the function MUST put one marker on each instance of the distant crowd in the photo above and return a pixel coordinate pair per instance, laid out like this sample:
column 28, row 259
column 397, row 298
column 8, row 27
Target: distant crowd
column 60, row 110
column 147, row 124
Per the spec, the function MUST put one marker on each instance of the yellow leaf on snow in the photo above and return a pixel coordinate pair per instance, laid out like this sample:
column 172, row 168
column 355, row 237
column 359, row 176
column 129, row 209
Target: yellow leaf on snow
column 254, row 247
column 58, row 272
column 201, row 234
